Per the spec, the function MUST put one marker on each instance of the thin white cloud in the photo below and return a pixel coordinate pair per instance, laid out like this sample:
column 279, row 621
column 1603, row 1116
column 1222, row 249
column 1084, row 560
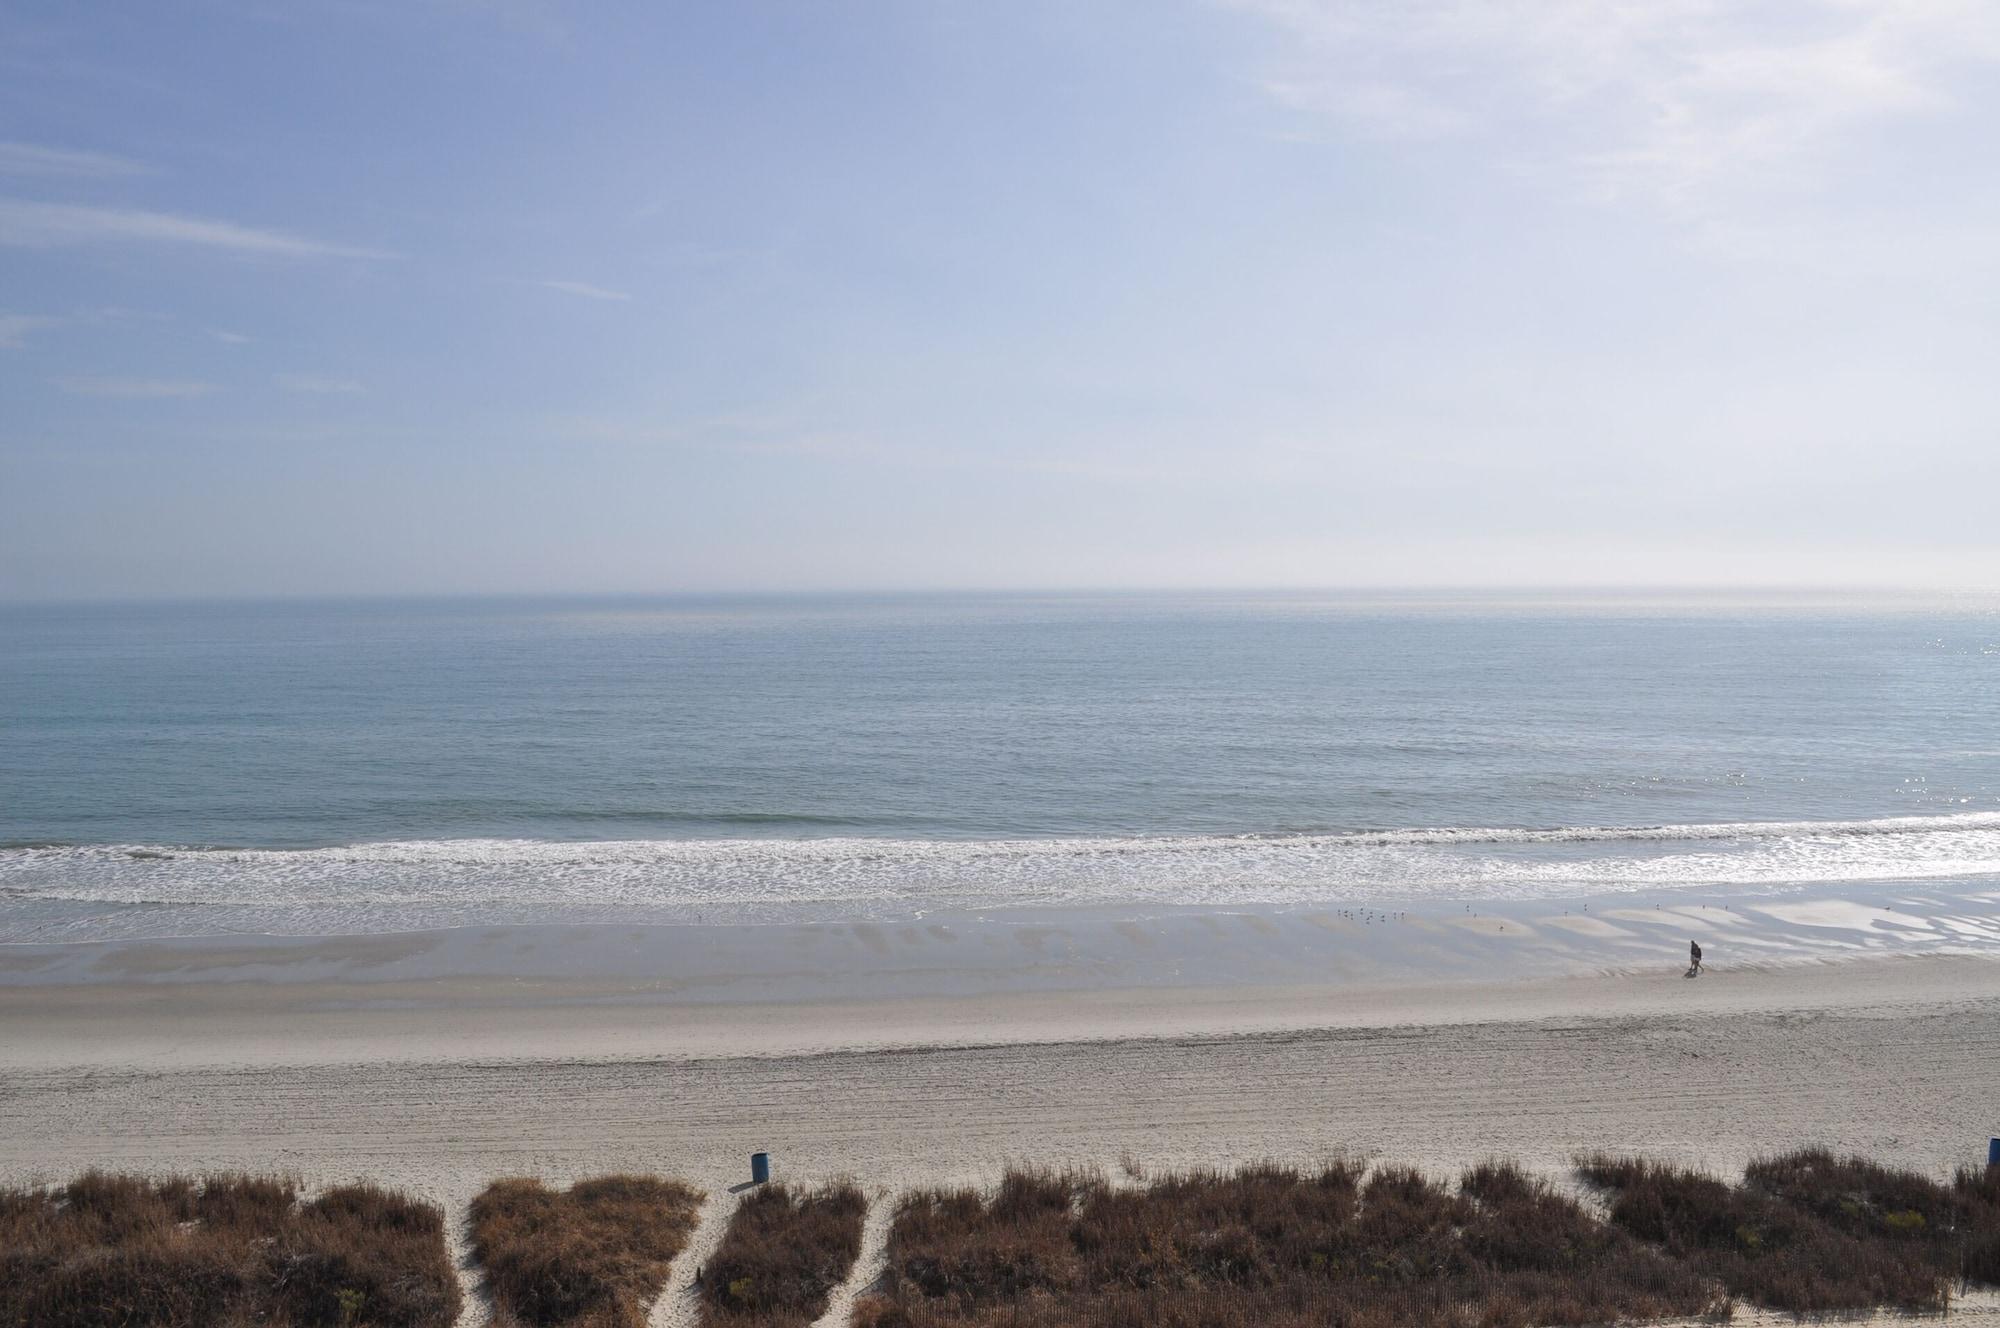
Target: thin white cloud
column 37, row 225
column 14, row 329
column 135, row 388
column 318, row 385
column 586, row 290
column 31, row 159
column 229, row 338
column 1660, row 98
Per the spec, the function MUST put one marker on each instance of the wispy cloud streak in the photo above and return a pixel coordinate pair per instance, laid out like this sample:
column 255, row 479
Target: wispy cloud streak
column 155, row 389
column 32, row 159
column 14, row 329
column 1660, row 98
column 28, row 224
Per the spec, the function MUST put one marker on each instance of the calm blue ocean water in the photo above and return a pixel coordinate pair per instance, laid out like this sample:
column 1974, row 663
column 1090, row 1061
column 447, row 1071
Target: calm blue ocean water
column 367, row 765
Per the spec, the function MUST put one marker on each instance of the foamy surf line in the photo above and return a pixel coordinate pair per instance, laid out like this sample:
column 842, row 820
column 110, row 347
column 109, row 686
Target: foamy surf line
column 83, row 891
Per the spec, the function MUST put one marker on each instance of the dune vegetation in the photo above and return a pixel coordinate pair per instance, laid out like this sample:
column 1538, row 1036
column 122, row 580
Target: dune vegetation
column 783, row 1254
column 1808, row 1232
column 1271, row 1246
column 593, row 1256
column 219, row 1252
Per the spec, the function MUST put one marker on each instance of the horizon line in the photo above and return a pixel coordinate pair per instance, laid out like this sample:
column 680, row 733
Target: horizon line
column 1742, row 590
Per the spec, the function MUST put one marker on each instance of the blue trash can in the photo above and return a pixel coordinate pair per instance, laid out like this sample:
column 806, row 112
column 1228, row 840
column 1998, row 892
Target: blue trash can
column 1993, row 1152
column 760, row 1166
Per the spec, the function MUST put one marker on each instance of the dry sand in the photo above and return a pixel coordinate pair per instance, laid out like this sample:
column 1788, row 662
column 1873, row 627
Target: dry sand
column 1895, row 1058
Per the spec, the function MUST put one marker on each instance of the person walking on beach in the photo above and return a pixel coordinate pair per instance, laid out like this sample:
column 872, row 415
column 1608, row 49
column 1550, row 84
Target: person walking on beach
column 1694, row 959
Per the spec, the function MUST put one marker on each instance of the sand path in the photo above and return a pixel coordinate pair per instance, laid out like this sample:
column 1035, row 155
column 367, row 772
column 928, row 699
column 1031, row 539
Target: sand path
column 679, row 1305
column 869, row 1263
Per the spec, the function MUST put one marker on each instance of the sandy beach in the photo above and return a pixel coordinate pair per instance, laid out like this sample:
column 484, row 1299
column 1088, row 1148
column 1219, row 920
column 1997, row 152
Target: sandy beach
column 910, row 1054
column 439, row 1088
column 1899, row 1059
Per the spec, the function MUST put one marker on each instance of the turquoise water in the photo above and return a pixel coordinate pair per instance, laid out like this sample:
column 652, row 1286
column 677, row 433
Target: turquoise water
column 369, row 765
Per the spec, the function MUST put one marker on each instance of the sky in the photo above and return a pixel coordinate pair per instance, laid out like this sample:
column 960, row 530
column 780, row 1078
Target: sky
column 485, row 296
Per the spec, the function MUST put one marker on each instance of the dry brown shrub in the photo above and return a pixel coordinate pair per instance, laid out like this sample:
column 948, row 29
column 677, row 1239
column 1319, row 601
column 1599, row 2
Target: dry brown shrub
column 783, row 1254
column 1273, row 1247
column 1762, row 1247
column 958, row 1246
column 1978, row 1189
column 594, row 1256
column 182, row 1253
column 1953, row 1225
column 367, row 1247
column 1543, row 1259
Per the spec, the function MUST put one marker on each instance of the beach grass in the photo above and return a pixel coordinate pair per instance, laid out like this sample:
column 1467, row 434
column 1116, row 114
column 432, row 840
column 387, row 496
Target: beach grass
column 1271, row 1245
column 1770, row 1240
column 1978, row 1188
column 783, row 1254
column 1874, row 1203
column 221, row 1251
column 593, row 1256
column 1807, row 1232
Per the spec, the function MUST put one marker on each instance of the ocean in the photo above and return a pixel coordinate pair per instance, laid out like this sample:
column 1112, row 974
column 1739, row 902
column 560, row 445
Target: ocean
column 326, row 767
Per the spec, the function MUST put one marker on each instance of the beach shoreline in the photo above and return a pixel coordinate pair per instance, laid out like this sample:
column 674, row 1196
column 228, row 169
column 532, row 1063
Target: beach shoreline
column 262, row 1022
column 437, row 1094
column 973, row 978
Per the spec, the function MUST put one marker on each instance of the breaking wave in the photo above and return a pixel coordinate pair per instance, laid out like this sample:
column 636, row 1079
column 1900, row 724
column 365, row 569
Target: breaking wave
column 410, row 884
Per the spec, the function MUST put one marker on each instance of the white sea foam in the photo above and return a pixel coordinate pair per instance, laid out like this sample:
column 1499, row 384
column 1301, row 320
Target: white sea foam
column 422, row 883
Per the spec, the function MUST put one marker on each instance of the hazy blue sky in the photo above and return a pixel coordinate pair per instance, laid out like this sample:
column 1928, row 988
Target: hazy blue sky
column 386, row 295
